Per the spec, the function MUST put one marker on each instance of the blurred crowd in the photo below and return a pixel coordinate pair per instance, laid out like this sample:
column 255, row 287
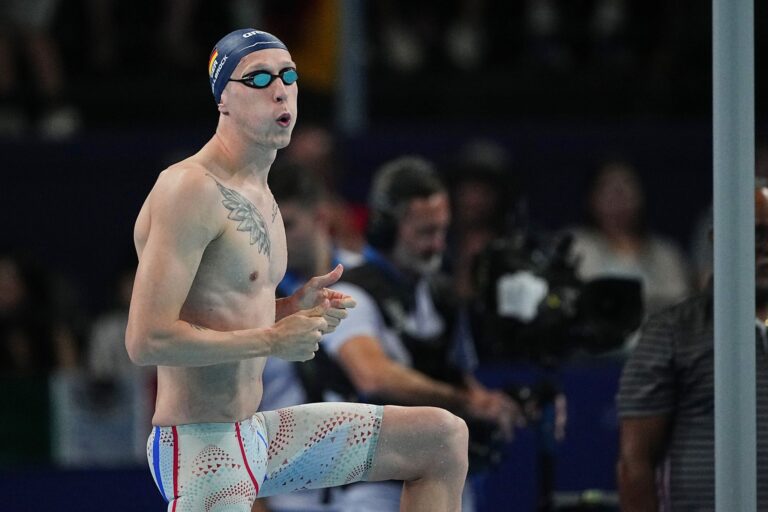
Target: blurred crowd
column 66, row 66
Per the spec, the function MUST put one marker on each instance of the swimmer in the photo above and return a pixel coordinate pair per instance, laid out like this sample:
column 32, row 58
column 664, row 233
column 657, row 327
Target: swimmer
column 211, row 247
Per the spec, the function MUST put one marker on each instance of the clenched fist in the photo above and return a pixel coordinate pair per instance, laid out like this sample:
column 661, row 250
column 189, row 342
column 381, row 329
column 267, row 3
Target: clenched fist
column 316, row 291
column 297, row 336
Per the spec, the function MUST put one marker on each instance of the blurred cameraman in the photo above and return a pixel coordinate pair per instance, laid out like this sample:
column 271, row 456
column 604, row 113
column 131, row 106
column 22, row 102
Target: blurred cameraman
column 407, row 341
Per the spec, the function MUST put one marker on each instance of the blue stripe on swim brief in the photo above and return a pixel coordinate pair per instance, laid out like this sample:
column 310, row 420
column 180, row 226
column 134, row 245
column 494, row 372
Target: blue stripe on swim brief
column 156, row 462
column 262, row 439
column 266, row 446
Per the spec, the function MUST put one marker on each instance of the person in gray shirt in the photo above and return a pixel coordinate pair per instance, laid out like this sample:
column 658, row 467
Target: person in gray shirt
column 666, row 400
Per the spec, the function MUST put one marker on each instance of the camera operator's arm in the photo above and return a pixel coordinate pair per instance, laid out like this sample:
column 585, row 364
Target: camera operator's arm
column 494, row 405
column 372, row 372
column 641, row 447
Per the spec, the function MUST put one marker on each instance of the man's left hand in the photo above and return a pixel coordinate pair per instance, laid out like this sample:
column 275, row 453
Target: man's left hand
column 316, row 290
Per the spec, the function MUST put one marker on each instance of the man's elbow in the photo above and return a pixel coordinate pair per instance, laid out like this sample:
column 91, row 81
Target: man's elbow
column 138, row 347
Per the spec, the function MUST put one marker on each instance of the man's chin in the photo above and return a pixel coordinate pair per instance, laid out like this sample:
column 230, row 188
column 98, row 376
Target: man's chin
column 429, row 267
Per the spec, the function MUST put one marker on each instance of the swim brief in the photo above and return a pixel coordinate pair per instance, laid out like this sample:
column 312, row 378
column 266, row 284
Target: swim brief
column 225, row 466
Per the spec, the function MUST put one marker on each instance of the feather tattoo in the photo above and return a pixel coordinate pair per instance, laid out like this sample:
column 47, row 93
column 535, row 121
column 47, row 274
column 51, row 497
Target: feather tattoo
column 244, row 212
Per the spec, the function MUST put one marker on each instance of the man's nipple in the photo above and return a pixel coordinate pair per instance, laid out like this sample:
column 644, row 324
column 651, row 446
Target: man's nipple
column 254, row 275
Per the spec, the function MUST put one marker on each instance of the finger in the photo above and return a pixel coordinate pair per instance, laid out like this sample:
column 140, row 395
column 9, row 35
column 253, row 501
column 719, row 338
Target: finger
column 337, row 313
column 332, row 320
column 331, row 325
column 318, row 310
column 343, row 302
column 328, row 279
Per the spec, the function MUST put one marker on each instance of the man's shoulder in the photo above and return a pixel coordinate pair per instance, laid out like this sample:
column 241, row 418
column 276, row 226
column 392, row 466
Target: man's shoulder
column 186, row 199
column 695, row 308
column 691, row 320
column 187, row 184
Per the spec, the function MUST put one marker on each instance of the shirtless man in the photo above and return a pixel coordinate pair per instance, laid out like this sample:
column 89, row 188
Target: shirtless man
column 211, row 248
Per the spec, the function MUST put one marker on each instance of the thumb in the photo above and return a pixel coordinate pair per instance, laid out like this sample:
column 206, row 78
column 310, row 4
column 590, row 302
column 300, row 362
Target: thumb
column 329, row 278
column 318, row 310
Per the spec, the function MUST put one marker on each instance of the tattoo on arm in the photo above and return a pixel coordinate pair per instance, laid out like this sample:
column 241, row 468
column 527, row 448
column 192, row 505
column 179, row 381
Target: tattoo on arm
column 250, row 219
column 197, row 327
column 274, row 212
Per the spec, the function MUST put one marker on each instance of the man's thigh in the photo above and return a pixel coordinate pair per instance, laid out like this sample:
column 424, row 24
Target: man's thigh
column 209, row 466
column 320, row 445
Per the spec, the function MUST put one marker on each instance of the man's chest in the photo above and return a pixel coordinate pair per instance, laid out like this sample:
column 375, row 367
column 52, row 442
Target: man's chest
column 251, row 251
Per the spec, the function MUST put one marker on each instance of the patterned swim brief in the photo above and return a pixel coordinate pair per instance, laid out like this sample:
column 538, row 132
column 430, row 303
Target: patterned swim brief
column 225, row 466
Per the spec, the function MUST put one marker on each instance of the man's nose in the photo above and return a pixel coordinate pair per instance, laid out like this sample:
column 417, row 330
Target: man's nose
column 279, row 91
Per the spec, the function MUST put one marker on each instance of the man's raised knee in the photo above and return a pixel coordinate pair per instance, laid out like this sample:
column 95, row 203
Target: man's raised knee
column 452, row 436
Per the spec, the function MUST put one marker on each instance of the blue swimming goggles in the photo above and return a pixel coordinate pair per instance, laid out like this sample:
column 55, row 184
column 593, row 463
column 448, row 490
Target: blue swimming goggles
column 262, row 79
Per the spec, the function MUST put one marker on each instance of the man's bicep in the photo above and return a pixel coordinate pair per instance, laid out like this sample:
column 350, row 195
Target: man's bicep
column 647, row 386
column 180, row 230
column 164, row 276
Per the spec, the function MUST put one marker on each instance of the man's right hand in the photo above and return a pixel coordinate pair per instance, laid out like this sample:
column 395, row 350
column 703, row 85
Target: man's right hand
column 297, row 336
column 495, row 407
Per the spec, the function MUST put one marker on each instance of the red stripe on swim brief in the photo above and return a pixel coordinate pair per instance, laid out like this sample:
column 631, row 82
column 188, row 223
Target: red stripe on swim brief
column 245, row 459
column 175, row 467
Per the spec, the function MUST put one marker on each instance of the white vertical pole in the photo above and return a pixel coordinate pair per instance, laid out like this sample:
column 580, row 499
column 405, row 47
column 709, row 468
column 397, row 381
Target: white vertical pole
column 734, row 167
column 351, row 101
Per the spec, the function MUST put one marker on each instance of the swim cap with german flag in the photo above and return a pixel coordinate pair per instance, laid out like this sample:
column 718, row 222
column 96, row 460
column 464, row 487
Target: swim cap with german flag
column 230, row 49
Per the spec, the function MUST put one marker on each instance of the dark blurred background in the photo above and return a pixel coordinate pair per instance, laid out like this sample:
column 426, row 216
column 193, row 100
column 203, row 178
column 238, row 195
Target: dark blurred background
column 98, row 96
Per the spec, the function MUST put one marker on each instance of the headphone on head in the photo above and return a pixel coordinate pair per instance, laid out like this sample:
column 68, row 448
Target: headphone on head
column 394, row 184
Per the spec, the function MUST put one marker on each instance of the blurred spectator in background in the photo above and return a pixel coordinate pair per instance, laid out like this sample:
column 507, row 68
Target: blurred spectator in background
column 313, row 148
column 410, row 34
column 34, row 339
column 104, row 33
column 562, row 33
column 101, row 412
column 616, row 242
column 107, row 357
column 484, row 194
column 666, row 399
column 176, row 41
column 25, row 33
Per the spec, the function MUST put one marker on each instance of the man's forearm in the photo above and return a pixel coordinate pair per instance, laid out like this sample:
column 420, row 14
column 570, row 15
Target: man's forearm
column 186, row 344
column 637, row 486
column 403, row 385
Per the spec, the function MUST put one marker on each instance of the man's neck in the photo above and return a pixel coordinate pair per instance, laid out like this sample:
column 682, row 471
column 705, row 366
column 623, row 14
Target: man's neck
column 239, row 156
